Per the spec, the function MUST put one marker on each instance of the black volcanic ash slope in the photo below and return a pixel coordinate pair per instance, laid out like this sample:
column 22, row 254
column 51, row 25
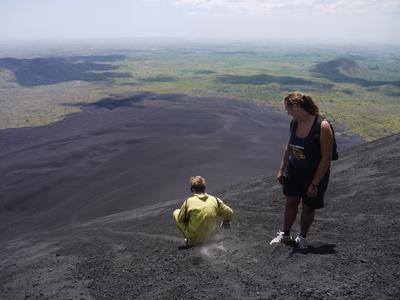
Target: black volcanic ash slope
column 354, row 248
column 130, row 151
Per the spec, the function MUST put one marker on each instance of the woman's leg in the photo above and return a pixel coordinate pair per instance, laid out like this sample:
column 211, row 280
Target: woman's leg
column 307, row 218
column 292, row 204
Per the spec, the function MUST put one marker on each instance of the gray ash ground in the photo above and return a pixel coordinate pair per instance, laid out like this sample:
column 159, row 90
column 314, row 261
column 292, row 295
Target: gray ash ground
column 83, row 211
column 129, row 151
column 354, row 250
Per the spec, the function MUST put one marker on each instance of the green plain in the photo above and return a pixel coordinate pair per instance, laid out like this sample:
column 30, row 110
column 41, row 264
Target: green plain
column 371, row 112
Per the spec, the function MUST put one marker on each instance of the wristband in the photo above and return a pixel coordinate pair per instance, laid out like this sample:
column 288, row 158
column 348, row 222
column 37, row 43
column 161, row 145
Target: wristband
column 315, row 186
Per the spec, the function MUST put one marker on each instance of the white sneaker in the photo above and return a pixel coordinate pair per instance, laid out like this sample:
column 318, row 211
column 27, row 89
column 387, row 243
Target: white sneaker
column 281, row 238
column 301, row 242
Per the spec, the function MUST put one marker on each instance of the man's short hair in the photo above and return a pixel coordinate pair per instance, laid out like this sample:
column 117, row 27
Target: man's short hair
column 198, row 184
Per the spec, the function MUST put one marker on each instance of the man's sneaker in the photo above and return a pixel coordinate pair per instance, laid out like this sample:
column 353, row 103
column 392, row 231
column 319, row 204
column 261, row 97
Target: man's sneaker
column 281, row 238
column 301, row 242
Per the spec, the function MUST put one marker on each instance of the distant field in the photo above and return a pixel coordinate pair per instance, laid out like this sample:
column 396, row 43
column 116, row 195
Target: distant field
column 359, row 89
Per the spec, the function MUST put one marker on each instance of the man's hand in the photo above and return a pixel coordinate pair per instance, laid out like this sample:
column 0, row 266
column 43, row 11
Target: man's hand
column 226, row 224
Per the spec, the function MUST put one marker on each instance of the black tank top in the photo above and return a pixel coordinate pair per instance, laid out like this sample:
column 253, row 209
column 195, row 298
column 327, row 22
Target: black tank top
column 304, row 153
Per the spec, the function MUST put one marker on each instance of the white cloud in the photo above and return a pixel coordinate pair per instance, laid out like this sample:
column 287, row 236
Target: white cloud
column 314, row 20
column 269, row 6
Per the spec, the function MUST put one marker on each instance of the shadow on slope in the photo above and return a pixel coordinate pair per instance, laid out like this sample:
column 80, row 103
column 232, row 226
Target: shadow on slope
column 53, row 70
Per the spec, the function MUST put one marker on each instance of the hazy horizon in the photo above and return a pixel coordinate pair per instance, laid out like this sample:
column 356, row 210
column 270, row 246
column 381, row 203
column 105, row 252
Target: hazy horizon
column 53, row 47
column 316, row 21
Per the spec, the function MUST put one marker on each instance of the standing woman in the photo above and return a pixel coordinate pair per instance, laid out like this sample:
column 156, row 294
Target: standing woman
column 304, row 169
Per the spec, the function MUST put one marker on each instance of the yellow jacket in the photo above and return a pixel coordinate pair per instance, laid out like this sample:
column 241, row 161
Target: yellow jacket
column 199, row 214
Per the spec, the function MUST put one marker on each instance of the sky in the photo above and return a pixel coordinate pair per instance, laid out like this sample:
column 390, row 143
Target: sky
column 279, row 20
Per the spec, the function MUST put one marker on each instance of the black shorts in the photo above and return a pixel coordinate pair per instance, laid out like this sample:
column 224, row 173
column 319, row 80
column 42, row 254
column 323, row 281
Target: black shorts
column 296, row 183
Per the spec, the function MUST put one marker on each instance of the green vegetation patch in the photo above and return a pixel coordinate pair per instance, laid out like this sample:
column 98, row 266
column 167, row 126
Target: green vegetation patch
column 335, row 70
column 262, row 79
column 356, row 88
column 204, row 72
column 159, row 78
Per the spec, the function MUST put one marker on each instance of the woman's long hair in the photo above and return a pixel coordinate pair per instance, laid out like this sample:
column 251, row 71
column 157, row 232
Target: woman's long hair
column 304, row 101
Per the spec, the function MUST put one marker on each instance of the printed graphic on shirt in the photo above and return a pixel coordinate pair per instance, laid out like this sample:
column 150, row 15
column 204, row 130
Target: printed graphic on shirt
column 297, row 151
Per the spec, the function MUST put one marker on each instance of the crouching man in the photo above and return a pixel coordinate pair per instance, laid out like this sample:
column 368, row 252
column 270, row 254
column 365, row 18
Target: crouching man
column 197, row 217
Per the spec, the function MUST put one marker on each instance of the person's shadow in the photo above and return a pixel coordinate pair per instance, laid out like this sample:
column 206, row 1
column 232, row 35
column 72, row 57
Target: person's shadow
column 321, row 250
column 184, row 247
